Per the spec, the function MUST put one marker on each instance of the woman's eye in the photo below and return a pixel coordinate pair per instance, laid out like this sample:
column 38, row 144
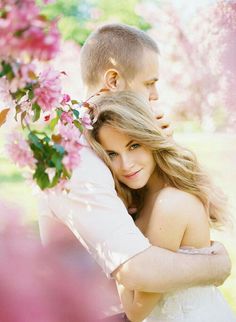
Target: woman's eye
column 134, row 146
column 111, row 155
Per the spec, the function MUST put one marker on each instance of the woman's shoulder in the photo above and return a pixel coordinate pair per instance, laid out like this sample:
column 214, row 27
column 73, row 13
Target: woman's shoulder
column 170, row 218
column 174, row 214
column 172, row 201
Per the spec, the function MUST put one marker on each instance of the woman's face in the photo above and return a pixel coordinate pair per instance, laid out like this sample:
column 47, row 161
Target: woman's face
column 132, row 163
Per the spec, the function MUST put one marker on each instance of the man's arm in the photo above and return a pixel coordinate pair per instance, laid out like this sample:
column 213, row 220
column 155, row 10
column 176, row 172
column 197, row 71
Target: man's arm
column 160, row 270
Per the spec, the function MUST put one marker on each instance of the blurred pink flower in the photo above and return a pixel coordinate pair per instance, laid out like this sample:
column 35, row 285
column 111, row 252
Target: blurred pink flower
column 28, row 72
column 86, row 121
column 39, row 44
column 19, row 150
column 85, row 117
column 72, row 159
column 69, row 133
column 48, row 287
column 65, row 99
column 67, row 117
column 23, row 31
column 5, row 91
column 71, row 141
column 48, row 94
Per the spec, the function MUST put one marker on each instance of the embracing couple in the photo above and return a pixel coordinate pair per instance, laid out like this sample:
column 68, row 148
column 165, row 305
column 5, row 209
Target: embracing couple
column 161, row 256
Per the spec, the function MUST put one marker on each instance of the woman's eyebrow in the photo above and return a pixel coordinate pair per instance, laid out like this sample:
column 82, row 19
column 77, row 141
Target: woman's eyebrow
column 129, row 143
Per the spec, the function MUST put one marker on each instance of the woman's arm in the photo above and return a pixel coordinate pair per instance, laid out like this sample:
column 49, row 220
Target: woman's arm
column 137, row 305
column 160, row 270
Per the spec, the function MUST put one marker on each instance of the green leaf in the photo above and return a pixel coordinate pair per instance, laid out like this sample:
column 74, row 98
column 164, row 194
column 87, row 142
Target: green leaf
column 74, row 102
column 57, row 161
column 18, row 110
column 19, row 94
column 76, row 113
column 37, row 111
column 41, row 177
column 6, row 68
column 55, row 179
column 59, row 148
column 78, row 125
column 46, row 139
column 22, row 117
column 35, row 141
column 53, row 123
column 31, row 94
column 59, row 112
column 66, row 173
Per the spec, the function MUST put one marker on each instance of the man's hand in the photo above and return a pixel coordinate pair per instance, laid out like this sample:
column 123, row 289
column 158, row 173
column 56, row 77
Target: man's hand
column 163, row 121
column 223, row 267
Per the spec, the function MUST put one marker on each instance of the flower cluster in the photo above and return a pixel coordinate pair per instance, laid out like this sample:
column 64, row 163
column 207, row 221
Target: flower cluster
column 25, row 32
column 53, row 152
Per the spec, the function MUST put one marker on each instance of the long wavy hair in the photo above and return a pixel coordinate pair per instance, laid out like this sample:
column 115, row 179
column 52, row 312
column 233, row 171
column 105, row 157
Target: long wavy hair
column 177, row 166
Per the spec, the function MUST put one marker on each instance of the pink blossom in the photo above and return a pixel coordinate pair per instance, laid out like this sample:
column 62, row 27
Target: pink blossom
column 23, row 31
column 72, row 158
column 65, row 99
column 19, row 151
column 28, row 72
column 48, row 94
column 86, row 121
column 39, row 44
column 5, row 91
column 71, row 141
column 69, row 132
column 67, row 117
column 85, row 117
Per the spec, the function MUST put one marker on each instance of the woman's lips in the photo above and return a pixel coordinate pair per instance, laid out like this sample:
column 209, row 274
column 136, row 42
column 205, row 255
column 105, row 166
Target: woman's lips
column 132, row 175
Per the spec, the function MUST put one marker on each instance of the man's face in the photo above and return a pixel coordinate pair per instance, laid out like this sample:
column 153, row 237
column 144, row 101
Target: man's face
column 144, row 82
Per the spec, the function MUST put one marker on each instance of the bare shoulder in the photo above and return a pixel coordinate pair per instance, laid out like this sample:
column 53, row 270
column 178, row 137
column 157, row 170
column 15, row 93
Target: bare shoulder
column 174, row 202
column 173, row 213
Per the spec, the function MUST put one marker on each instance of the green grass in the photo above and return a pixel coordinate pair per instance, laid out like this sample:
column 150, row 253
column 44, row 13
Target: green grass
column 217, row 152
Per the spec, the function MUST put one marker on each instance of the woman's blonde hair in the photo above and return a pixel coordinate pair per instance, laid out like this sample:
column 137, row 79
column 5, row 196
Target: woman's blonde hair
column 179, row 168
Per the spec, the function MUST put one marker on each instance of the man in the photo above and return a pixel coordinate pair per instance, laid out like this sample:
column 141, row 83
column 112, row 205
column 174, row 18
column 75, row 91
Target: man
column 118, row 57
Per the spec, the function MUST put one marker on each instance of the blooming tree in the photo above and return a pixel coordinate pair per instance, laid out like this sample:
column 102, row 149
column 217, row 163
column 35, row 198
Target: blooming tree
column 197, row 58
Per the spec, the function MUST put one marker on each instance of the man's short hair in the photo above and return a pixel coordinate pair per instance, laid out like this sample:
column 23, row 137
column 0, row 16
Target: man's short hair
column 114, row 46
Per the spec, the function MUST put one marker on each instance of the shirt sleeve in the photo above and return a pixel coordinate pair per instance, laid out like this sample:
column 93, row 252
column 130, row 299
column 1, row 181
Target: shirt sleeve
column 96, row 215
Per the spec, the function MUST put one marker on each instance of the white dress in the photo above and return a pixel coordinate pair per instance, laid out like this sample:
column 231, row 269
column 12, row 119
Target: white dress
column 194, row 304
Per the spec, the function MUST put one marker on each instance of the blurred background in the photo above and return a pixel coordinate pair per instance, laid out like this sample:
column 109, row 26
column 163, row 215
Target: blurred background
column 197, row 86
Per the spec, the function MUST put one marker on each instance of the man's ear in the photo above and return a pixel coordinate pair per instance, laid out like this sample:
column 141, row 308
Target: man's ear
column 113, row 80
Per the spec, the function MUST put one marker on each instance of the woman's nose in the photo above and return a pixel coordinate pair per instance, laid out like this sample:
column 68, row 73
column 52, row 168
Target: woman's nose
column 127, row 163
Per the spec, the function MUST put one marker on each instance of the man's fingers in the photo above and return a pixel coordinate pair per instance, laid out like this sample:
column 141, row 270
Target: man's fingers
column 159, row 115
column 168, row 131
column 164, row 124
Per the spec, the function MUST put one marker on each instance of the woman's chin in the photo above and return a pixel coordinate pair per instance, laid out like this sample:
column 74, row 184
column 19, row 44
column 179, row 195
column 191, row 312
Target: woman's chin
column 134, row 185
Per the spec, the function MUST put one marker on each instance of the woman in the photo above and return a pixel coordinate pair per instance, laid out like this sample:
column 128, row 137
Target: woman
column 175, row 200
